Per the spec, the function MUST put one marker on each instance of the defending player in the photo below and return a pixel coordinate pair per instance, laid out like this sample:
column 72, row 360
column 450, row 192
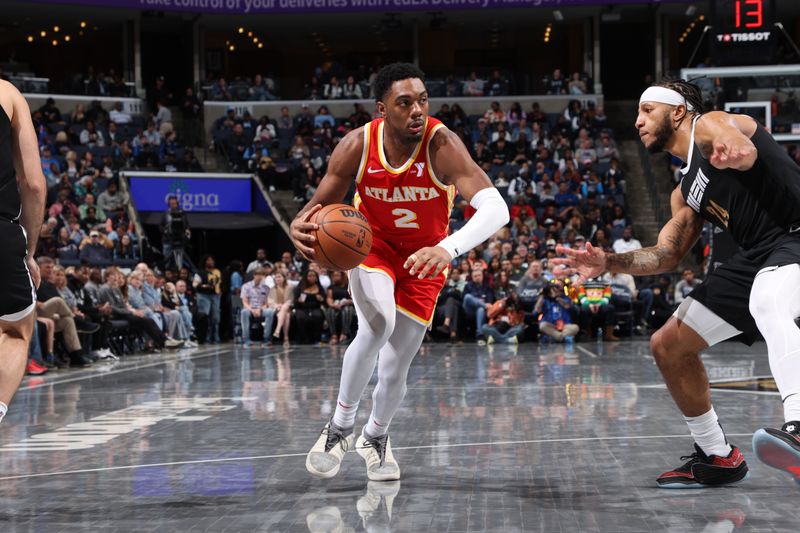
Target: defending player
column 738, row 178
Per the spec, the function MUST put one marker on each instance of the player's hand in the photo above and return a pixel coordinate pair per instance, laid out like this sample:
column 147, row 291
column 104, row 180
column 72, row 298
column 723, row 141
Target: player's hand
column 733, row 151
column 301, row 229
column 429, row 261
column 588, row 263
column 33, row 268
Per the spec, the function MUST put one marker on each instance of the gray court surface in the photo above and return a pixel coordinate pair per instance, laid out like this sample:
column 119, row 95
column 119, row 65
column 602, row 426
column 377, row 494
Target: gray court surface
column 534, row 438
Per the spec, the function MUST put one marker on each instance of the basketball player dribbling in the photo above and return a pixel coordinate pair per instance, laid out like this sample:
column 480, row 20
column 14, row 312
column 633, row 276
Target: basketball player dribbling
column 407, row 167
column 22, row 195
column 738, row 178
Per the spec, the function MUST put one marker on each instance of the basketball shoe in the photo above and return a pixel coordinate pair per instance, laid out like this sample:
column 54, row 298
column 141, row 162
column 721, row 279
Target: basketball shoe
column 377, row 453
column 780, row 448
column 325, row 457
column 701, row 470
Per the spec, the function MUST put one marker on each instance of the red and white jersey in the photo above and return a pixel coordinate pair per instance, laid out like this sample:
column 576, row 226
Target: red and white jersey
column 407, row 205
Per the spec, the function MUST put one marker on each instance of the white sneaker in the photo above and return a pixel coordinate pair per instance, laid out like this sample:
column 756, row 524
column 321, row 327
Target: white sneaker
column 172, row 343
column 189, row 344
column 377, row 453
column 325, row 457
column 489, row 340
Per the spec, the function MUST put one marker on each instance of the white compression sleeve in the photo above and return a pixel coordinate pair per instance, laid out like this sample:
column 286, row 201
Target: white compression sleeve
column 491, row 214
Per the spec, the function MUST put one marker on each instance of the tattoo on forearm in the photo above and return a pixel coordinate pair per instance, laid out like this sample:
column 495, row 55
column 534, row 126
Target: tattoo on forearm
column 640, row 262
column 654, row 259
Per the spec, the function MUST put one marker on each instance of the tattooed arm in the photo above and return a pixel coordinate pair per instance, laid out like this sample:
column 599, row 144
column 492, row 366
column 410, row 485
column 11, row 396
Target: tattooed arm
column 676, row 238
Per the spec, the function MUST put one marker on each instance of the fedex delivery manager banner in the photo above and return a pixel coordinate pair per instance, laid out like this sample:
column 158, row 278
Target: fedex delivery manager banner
column 249, row 7
column 204, row 195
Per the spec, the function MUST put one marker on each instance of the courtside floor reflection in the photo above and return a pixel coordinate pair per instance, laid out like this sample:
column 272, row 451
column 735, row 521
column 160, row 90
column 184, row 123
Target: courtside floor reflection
column 534, row 438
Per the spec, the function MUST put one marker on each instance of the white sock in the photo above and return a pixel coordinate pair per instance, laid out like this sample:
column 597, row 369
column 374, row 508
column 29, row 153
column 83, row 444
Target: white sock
column 375, row 429
column 3, row 410
column 345, row 415
column 708, row 434
column 791, row 408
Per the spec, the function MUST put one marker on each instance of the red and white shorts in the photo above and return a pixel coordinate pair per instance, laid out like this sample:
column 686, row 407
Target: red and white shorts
column 414, row 297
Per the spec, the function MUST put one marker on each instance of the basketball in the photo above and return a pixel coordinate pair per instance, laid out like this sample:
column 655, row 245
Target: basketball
column 344, row 237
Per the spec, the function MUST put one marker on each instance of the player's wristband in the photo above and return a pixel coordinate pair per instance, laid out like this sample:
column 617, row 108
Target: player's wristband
column 491, row 214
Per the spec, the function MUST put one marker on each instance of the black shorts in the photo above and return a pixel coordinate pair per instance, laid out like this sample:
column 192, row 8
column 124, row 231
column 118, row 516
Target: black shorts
column 17, row 294
column 726, row 291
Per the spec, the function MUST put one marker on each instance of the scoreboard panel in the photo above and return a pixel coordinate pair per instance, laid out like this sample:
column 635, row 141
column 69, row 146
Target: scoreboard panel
column 743, row 32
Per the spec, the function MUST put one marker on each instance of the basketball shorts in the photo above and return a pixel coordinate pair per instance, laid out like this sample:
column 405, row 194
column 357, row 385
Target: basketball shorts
column 726, row 291
column 17, row 294
column 415, row 298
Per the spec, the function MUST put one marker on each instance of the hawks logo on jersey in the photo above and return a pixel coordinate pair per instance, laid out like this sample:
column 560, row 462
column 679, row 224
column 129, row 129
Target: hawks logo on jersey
column 405, row 204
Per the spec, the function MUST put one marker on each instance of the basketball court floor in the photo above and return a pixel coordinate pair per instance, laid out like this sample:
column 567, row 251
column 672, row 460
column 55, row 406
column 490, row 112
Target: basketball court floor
column 533, row 438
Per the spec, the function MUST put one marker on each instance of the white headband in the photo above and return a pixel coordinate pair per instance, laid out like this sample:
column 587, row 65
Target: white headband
column 663, row 95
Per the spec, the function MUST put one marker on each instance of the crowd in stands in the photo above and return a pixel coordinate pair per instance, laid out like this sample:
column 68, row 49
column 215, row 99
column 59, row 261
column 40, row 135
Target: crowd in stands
column 563, row 182
column 498, row 293
column 82, row 153
column 559, row 172
column 335, row 83
column 88, row 231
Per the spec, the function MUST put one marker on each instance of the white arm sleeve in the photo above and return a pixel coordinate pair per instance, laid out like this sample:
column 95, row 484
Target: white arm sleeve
column 491, row 214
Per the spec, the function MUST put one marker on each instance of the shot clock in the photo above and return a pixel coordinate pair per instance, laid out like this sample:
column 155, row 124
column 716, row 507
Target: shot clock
column 743, row 32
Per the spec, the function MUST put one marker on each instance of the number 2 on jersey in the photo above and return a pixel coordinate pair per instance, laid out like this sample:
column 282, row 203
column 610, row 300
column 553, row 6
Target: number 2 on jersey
column 405, row 218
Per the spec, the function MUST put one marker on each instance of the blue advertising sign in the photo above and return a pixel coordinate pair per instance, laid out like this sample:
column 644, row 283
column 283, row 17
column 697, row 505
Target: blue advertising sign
column 204, row 195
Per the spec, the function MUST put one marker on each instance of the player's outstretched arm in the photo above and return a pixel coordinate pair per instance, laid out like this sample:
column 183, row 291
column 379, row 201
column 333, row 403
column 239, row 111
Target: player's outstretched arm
column 724, row 139
column 30, row 178
column 676, row 238
column 342, row 169
column 453, row 165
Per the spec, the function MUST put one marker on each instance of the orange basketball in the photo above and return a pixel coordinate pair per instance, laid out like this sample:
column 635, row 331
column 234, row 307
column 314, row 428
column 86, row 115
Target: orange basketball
column 344, row 237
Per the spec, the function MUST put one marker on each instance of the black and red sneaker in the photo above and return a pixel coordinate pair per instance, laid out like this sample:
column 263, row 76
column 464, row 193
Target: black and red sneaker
column 703, row 470
column 780, row 448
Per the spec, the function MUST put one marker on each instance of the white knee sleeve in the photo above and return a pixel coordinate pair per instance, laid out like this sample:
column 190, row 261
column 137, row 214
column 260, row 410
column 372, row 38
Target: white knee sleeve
column 373, row 297
column 774, row 304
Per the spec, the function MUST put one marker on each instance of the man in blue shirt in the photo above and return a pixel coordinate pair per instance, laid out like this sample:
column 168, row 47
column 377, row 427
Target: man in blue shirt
column 478, row 297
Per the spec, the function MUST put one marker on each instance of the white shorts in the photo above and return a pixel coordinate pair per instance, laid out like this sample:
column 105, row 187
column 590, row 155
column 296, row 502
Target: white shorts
column 705, row 322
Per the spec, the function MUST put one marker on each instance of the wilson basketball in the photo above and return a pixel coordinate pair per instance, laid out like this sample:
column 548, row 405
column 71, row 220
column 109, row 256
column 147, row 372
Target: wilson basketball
column 344, row 237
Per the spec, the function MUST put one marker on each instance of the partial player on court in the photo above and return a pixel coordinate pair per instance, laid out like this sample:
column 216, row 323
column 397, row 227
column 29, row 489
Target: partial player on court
column 406, row 166
column 22, row 195
column 737, row 177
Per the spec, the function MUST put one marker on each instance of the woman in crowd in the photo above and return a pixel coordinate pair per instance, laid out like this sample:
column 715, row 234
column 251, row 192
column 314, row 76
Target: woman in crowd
column 124, row 250
column 340, row 308
column 309, row 299
column 280, row 301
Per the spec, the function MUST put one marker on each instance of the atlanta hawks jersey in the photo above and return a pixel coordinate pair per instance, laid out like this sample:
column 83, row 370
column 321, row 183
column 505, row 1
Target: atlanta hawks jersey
column 407, row 205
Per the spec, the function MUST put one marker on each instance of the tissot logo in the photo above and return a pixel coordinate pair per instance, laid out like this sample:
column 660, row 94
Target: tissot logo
column 743, row 37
